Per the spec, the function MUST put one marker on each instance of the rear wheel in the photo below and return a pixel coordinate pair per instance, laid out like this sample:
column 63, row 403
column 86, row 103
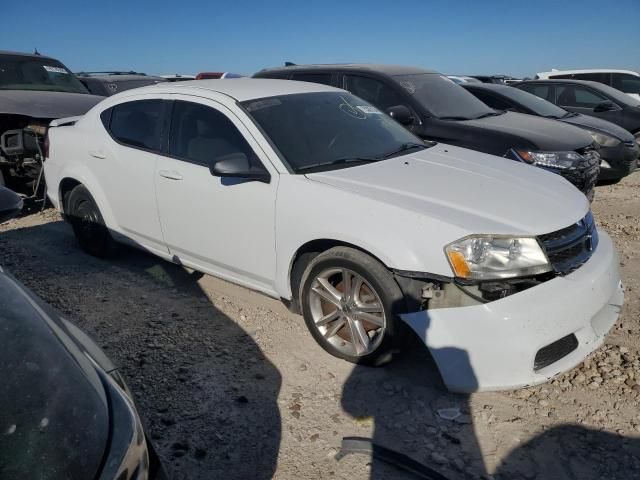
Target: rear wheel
column 87, row 222
column 350, row 303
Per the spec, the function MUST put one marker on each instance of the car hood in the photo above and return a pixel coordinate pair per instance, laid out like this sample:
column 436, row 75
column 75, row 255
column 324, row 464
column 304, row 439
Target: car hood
column 46, row 105
column 478, row 193
column 545, row 134
column 594, row 123
column 53, row 409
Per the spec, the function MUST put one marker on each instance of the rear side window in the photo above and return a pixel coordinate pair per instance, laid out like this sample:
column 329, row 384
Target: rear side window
column 601, row 77
column 323, row 78
column 137, row 124
column 625, row 82
column 200, row 134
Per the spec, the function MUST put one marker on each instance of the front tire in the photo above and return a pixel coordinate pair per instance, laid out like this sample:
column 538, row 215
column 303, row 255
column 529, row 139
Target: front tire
column 88, row 225
column 350, row 303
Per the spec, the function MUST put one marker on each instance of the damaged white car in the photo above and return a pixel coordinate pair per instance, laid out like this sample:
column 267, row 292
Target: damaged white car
column 309, row 194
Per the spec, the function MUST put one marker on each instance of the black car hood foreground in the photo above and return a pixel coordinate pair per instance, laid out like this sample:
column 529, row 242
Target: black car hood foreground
column 546, row 134
column 53, row 408
column 48, row 105
column 586, row 121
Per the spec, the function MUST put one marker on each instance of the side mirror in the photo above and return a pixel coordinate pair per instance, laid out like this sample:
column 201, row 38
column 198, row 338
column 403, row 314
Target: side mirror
column 237, row 165
column 605, row 106
column 400, row 114
column 10, row 204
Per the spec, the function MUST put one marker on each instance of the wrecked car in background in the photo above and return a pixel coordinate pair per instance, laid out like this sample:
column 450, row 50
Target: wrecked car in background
column 110, row 83
column 34, row 89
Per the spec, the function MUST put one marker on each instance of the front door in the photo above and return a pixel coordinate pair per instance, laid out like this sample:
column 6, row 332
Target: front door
column 222, row 226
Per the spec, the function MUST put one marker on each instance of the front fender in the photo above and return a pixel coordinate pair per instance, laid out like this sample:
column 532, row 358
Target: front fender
column 307, row 211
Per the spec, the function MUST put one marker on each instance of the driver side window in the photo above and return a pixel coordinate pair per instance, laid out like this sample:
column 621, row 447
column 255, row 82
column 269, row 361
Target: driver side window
column 200, row 134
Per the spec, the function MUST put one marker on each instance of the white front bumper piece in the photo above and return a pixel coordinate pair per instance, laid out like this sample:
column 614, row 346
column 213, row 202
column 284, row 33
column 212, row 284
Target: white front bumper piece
column 528, row 337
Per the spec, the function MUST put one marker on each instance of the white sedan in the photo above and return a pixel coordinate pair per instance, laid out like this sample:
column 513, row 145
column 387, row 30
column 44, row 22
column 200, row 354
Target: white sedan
column 309, row 194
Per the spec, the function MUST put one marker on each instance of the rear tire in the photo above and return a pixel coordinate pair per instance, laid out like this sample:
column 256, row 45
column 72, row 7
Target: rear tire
column 350, row 303
column 88, row 225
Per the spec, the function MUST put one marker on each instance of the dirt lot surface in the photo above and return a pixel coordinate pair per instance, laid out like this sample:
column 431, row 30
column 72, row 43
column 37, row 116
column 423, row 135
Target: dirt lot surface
column 231, row 386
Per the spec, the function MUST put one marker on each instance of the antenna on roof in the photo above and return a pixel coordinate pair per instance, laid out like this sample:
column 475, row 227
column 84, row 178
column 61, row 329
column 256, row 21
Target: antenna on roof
column 289, row 64
column 35, row 51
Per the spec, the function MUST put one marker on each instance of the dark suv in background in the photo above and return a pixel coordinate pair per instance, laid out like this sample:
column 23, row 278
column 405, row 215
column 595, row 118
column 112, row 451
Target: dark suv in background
column 589, row 98
column 618, row 148
column 34, row 89
column 110, row 83
column 435, row 108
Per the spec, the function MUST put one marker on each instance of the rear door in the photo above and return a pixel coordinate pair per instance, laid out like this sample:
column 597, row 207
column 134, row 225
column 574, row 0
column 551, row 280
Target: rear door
column 125, row 162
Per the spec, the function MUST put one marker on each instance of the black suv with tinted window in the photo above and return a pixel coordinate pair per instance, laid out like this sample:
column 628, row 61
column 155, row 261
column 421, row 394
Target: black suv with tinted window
column 435, row 108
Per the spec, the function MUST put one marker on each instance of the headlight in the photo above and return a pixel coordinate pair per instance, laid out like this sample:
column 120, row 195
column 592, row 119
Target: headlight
column 603, row 139
column 561, row 160
column 491, row 257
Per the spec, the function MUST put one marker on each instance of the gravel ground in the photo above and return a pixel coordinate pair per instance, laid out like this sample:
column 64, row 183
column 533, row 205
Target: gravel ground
column 230, row 385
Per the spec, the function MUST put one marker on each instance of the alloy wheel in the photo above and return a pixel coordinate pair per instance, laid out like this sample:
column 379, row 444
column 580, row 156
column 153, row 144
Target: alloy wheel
column 347, row 311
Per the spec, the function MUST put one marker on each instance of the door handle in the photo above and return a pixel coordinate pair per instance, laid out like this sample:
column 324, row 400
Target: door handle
column 170, row 174
column 97, row 154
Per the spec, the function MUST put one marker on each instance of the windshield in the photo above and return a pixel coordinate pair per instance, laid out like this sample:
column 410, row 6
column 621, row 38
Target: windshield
column 618, row 96
column 538, row 105
column 326, row 130
column 442, row 97
column 19, row 72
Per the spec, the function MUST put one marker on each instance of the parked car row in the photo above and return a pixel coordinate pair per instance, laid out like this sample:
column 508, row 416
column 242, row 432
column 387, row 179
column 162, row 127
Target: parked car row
column 436, row 108
column 617, row 147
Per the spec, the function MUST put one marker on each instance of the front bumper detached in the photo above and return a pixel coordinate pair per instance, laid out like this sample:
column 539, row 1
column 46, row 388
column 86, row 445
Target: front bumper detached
column 529, row 337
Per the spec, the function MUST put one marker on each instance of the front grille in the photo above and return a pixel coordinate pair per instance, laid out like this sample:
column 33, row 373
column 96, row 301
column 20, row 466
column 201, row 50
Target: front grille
column 570, row 247
column 555, row 351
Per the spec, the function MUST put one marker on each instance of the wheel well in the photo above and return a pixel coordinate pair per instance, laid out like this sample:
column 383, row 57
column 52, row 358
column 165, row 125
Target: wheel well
column 66, row 185
column 303, row 257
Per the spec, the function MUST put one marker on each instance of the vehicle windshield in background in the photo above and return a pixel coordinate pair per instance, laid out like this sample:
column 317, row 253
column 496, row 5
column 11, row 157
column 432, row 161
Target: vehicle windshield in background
column 325, row 130
column 619, row 96
column 19, row 72
column 536, row 104
column 442, row 97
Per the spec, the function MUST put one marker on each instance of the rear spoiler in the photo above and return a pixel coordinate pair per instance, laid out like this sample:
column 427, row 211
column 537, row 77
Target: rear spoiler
column 65, row 122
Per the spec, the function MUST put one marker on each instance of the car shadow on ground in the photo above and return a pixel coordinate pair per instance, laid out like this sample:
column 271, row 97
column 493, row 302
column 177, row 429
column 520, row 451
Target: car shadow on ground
column 208, row 395
column 408, row 405
column 206, row 392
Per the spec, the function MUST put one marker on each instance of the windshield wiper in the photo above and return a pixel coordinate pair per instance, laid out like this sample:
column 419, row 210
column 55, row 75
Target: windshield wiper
column 453, row 118
column 403, row 148
column 339, row 161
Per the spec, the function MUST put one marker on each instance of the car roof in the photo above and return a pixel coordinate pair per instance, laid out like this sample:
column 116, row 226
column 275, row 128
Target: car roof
column 588, row 70
column 565, row 80
column 121, row 78
column 370, row 67
column 488, row 86
column 22, row 54
column 241, row 89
